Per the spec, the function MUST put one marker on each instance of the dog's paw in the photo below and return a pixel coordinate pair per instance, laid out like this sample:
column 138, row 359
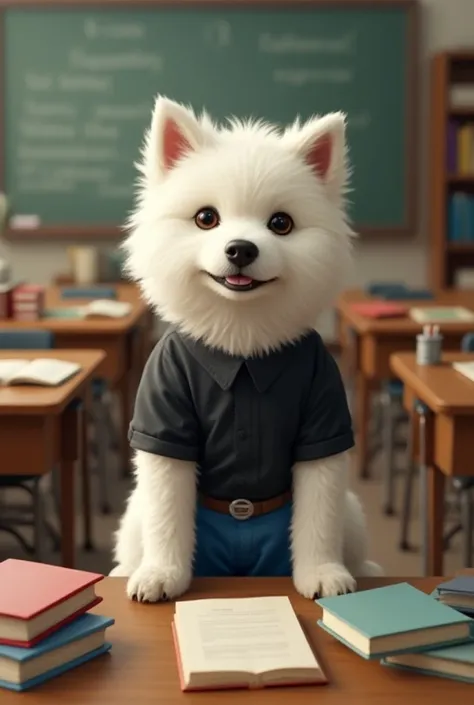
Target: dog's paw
column 152, row 583
column 323, row 580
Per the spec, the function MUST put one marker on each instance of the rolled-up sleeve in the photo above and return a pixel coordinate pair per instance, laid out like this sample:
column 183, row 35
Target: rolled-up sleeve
column 326, row 427
column 164, row 420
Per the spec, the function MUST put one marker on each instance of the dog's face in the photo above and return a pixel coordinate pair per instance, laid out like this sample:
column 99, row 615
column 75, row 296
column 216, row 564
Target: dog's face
column 239, row 236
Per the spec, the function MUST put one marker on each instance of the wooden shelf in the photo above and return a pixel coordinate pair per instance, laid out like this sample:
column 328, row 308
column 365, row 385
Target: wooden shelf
column 448, row 69
column 462, row 111
column 460, row 178
column 460, row 247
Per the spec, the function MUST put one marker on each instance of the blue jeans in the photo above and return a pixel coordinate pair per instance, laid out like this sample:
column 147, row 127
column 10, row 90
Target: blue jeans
column 259, row 546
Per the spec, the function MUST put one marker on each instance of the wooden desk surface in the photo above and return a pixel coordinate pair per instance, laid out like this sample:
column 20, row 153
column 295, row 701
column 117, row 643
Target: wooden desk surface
column 441, row 387
column 33, row 400
column 88, row 326
column 141, row 667
column 402, row 325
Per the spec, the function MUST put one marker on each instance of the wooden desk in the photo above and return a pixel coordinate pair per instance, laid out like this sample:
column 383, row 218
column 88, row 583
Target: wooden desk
column 124, row 352
column 449, row 433
column 141, row 668
column 368, row 343
column 41, row 428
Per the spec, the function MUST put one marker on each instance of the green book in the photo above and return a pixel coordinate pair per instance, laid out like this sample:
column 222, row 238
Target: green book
column 456, row 662
column 391, row 620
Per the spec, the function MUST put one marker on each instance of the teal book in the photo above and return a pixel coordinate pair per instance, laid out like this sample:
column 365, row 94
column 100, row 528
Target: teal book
column 455, row 662
column 72, row 645
column 457, row 593
column 391, row 620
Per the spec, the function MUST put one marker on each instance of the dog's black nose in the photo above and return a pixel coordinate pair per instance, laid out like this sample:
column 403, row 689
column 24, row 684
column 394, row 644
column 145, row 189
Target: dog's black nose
column 241, row 252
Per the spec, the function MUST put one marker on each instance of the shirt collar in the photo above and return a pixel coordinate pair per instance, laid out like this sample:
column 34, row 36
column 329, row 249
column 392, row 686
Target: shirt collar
column 223, row 367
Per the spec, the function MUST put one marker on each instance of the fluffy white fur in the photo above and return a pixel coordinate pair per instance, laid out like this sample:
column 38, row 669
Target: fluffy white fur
column 247, row 171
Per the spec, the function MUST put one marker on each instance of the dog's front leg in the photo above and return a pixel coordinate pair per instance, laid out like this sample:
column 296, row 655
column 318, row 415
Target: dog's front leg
column 167, row 490
column 319, row 501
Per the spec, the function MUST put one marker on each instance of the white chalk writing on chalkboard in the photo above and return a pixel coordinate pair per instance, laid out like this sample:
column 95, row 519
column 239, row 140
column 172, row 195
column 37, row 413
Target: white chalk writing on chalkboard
column 85, row 83
column 38, row 82
column 35, row 108
column 294, row 44
column 218, row 34
column 96, row 29
column 121, row 61
column 301, row 77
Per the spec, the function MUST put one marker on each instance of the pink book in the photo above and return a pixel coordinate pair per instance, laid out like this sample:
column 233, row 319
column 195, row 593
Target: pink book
column 379, row 309
column 36, row 599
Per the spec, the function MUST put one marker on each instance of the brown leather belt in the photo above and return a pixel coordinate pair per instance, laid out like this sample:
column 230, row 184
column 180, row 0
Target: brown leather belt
column 244, row 508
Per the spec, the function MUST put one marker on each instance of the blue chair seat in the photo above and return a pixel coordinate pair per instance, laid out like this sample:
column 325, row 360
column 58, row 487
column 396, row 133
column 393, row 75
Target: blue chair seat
column 26, row 340
column 394, row 388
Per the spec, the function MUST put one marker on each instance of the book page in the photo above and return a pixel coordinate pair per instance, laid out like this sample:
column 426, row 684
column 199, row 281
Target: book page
column 253, row 635
column 9, row 368
column 45, row 371
column 105, row 307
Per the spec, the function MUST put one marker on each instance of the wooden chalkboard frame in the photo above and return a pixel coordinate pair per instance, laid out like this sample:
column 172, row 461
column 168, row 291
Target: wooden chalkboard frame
column 83, row 232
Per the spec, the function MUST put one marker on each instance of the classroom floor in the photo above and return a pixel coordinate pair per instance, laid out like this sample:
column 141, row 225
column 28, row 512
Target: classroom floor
column 384, row 533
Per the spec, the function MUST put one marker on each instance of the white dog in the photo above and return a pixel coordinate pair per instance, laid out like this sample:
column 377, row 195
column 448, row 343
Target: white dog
column 241, row 428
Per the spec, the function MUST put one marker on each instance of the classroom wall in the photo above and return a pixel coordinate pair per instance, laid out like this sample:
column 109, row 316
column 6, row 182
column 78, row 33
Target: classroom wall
column 445, row 24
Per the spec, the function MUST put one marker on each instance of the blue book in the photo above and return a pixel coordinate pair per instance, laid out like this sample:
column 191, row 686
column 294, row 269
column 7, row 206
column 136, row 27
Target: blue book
column 457, row 593
column 455, row 662
column 458, row 217
column 74, row 644
column 390, row 620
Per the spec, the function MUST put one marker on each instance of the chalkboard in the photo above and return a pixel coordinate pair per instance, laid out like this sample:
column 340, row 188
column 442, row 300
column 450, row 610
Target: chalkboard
column 79, row 82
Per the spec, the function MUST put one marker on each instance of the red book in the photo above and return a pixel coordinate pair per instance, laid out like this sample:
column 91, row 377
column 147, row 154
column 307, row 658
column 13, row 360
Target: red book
column 36, row 599
column 379, row 309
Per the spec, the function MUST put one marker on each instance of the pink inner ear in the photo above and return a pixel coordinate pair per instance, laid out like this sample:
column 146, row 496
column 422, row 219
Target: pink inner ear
column 174, row 144
column 319, row 157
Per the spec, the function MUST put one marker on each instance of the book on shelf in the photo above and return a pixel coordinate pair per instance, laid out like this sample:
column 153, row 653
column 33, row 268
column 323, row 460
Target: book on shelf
column 460, row 147
column 458, row 592
column 45, row 372
column 36, row 599
column 460, row 226
column 441, row 314
column 74, row 644
column 249, row 642
column 465, row 368
column 455, row 662
column 392, row 620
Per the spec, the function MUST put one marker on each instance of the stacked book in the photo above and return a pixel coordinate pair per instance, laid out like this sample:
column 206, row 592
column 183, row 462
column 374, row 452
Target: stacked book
column 460, row 147
column 45, row 624
column 460, row 225
column 405, row 628
column 28, row 302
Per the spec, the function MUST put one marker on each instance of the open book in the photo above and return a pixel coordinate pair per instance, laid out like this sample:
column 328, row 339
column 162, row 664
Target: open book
column 249, row 642
column 107, row 308
column 100, row 308
column 47, row 372
column 465, row 368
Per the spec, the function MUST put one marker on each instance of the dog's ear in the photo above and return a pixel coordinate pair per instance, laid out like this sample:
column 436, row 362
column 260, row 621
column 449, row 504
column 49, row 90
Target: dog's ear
column 321, row 143
column 175, row 132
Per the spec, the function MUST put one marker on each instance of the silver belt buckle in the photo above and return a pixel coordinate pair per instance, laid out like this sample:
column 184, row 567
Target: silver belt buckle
column 241, row 509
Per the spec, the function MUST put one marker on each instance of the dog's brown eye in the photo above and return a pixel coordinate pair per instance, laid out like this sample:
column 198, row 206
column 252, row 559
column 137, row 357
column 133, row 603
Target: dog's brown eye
column 280, row 224
column 207, row 218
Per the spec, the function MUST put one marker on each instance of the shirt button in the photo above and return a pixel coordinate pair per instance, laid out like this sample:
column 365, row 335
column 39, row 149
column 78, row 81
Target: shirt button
column 242, row 435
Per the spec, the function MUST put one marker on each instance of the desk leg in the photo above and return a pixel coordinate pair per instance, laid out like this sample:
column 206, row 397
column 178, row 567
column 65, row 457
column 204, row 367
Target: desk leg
column 85, row 476
column 362, row 424
column 431, row 502
column 435, row 521
column 69, row 455
column 123, row 390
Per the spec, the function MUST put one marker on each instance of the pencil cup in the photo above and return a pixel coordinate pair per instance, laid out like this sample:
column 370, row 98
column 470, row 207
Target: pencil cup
column 428, row 349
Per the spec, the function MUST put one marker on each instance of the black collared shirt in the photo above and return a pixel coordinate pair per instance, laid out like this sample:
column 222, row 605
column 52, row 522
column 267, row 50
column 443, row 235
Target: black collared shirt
column 245, row 422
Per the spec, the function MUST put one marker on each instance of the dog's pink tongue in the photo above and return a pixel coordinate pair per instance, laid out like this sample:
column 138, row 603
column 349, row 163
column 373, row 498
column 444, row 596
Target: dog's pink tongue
column 239, row 280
